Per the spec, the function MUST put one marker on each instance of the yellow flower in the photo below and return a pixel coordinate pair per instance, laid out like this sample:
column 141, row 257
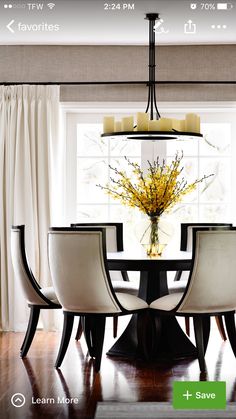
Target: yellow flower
column 154, row 192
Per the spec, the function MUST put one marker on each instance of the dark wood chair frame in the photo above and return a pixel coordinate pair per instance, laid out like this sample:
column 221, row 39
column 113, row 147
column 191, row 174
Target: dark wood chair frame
column 183, row 247
column 34, row 308
column 94, row 324
column 120, row 248
column 202, row 321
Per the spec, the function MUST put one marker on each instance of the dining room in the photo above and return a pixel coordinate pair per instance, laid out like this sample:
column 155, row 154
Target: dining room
column 117, row 231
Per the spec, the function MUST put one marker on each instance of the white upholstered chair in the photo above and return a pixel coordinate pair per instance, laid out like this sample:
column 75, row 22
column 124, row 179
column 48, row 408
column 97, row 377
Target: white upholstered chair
column 77, row 260
column 181, row 278
column 211, row 288
column 37, row 298
column 120, row 279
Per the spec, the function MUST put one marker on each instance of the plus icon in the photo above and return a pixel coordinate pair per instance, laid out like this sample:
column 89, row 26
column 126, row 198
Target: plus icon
column 187, row 395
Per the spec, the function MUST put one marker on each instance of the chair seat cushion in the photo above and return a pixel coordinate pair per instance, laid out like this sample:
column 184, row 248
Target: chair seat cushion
column 130, row 302
column 49, row 293
column 168, row 302
column 125, row 286
column 177, row 286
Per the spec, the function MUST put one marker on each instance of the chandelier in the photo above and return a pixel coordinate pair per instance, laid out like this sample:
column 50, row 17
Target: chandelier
column 149, row 125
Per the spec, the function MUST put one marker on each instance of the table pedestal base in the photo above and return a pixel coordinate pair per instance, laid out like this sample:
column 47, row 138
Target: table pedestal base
column 162, row 336
column 167, row 341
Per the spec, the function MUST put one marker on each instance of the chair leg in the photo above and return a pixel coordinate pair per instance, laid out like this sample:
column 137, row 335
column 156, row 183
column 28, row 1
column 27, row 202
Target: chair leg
column 177, row 275
column 230, row 327
column 79, row 330
column 32, row 325
column 198, row 331
column 115, row 326
column 187, row 325
column 220, row 325
column 66, row 334
column 87, row 323
column 125, row 276
column 98, row 331
column 206, row 322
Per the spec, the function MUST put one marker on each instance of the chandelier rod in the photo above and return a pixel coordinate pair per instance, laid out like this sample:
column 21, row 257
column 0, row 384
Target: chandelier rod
column 152, row 17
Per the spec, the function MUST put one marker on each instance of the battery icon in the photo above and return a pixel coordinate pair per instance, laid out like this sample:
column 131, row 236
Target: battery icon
column 224, row 6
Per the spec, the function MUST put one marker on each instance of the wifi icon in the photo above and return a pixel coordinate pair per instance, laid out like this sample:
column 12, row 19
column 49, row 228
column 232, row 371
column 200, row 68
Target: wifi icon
column 51, row 5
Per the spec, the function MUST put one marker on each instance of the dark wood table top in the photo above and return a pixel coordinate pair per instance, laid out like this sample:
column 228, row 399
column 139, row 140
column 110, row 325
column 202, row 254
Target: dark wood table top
column 137, row 260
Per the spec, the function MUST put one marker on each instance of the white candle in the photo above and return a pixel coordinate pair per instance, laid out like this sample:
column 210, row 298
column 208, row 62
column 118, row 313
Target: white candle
column 198, row 125
column 165, row 124
column 108, row 124
column 176, row 123
column 127, row 123
column 182, row 125
column 142, row 121
column 154, row 125
column 191, row 121
column 118, row 126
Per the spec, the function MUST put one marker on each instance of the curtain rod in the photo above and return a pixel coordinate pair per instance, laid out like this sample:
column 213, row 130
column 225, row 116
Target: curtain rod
column 87, row 83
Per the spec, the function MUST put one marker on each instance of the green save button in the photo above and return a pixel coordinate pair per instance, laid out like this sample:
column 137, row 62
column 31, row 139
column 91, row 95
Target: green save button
column 199, row 395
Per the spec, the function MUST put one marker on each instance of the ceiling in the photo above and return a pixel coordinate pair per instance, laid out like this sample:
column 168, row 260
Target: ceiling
column 101, row 22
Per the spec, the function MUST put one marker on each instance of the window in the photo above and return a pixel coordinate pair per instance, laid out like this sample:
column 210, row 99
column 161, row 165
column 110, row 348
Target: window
column 211, row 155
column 89, row 157
column 94, row 156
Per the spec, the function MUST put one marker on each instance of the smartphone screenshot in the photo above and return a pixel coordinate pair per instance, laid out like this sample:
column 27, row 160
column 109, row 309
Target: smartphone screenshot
column 117, row 209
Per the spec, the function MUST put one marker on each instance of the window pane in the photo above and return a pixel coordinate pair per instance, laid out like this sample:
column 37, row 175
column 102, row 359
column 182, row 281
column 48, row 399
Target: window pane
column 90, row 173
column 214, row 213
column 89, row 142
column 216, row 141
column 185, row 213
column 131, row 218
column 216, row 188
column 125, row 148
column 189, row 147
column 92, row 213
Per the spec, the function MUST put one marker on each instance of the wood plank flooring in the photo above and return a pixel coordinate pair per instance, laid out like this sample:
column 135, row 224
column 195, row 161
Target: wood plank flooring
column 119, row 380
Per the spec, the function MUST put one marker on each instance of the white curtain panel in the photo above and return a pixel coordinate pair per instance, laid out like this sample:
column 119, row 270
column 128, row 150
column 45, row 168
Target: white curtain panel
column 30, row 152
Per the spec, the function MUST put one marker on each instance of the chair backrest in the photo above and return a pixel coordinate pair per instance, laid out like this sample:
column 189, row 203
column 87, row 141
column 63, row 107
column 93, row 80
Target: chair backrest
column 187, row 228
column 114, row 234
column 186, row 240
column 77, row 260
column 22, row 271
column 212, row 282
column 114, row 242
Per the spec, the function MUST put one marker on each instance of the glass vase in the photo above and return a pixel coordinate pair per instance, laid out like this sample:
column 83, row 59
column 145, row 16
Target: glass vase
column 154, row 238
column 154, row 248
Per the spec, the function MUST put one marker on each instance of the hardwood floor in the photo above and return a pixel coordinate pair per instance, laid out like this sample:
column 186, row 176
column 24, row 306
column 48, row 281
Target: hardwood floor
column 119, row 380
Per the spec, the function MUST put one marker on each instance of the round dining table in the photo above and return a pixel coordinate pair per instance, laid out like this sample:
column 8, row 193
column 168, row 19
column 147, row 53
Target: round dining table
column 164, row 338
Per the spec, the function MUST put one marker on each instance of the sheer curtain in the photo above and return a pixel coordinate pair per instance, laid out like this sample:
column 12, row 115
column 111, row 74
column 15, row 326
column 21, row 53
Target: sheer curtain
column 30, row 151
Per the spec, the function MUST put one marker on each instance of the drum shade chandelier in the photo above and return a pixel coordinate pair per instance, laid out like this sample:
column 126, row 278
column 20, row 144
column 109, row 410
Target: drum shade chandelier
column 149, row 124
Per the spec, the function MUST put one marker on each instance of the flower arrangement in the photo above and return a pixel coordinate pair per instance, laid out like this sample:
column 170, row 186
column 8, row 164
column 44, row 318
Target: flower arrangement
column 154, row 192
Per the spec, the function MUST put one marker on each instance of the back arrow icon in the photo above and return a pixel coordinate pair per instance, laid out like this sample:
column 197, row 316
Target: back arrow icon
column 9, row 26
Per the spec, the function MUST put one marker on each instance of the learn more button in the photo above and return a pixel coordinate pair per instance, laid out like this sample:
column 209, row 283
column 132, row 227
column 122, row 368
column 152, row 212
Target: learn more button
column 199, row 395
